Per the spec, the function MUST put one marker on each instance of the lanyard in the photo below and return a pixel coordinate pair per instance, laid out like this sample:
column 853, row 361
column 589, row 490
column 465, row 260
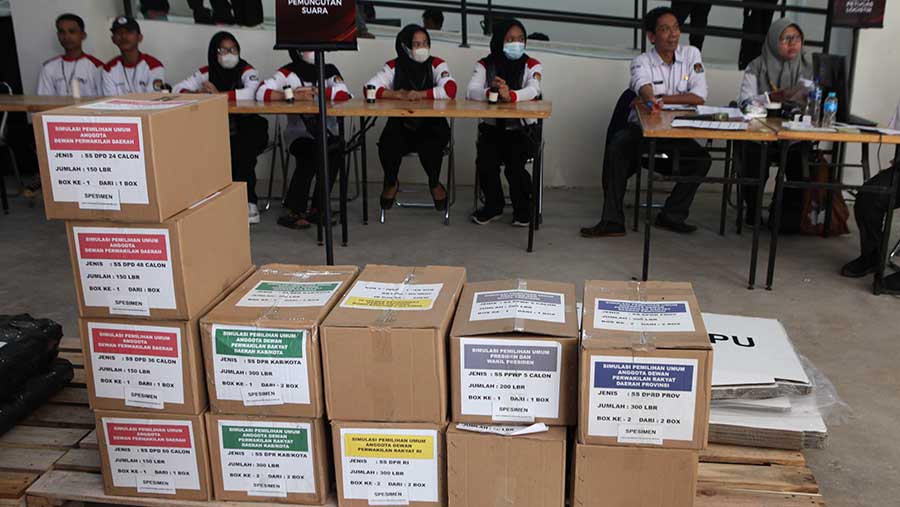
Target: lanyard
column 68, row 79
column 128, row 80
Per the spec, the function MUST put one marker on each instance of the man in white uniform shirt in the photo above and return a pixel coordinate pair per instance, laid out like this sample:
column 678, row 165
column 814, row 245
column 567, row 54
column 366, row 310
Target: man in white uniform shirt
column 58, row 74
column 131, row 71
column 666, row 74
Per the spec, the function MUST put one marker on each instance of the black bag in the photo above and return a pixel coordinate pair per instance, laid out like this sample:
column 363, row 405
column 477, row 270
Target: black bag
column 27, row 346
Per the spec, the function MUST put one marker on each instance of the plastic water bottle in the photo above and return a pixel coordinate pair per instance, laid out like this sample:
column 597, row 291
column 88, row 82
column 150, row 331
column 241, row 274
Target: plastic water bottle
column 814, row 104
column 830, row 110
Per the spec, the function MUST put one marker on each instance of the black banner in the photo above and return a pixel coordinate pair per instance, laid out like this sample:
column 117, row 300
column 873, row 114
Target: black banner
column 315, row 24
column 858, row 13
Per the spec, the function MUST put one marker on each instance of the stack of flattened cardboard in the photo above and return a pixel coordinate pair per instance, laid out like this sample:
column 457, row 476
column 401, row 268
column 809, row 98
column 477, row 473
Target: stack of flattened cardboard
column 513, row 362
column 267, row 432
column 762, row 394
column 384, row 352
column 644, row 395
column 145, row 187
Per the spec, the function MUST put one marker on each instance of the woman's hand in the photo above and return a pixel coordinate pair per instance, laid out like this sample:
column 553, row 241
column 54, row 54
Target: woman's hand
column 208, row 87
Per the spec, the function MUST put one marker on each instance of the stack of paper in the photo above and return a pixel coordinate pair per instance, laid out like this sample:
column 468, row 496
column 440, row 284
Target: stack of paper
column 710, row 125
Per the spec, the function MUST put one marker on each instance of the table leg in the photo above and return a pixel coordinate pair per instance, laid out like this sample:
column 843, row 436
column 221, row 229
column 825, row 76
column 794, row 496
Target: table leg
column 364, row 167
column 884, row 250
column 538, row 169
column 833, row 170
column 757, row 217
column 651, row 165
column 776, row 226
column 726, row 189
column 342, row 175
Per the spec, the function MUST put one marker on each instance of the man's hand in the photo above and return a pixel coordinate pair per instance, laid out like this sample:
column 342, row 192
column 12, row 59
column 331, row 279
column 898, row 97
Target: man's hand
column 304, row 93
column 777, row 96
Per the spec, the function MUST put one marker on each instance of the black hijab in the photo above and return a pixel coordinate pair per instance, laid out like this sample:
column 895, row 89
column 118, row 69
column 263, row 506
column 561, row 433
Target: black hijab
column 408, row 74
column 511, row 71
column 308, row 72
column 224, row 79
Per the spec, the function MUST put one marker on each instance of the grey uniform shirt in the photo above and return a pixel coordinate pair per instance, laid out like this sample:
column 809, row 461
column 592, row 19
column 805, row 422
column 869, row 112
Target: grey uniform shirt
column 685, row 75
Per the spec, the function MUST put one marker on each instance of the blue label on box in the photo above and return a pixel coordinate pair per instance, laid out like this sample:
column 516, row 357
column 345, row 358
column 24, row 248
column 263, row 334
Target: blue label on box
column 640, row 307
column 643, row 376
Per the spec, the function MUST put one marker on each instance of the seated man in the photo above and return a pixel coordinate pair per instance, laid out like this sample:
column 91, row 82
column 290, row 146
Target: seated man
column 132, row 71
column 667, row 74
column 58, row 73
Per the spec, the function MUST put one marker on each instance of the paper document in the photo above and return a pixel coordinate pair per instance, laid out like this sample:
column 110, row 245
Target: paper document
column 711, row 125
column 733, row 112
column 678, row 107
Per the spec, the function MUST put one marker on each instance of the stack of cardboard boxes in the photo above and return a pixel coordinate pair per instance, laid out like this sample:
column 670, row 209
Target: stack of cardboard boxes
column 386, row 384
column 646, row 370
column 268, row 437
column 513, row 363
column 145, row 187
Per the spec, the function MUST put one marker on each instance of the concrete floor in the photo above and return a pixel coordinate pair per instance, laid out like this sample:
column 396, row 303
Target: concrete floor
column 851, row 335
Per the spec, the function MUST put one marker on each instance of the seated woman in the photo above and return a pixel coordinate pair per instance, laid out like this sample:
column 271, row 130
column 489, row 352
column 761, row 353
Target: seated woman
column 302, row 77
column 516, row 77
column 414, row 75
column 784, row 71
column 227, row 72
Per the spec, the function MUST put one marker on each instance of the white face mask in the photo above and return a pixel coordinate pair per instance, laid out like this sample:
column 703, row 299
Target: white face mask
column 229, row 61
column 419, row 55
column 308, row 57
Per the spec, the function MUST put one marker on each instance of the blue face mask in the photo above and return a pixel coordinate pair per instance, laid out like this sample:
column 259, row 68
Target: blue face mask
column 514, row 50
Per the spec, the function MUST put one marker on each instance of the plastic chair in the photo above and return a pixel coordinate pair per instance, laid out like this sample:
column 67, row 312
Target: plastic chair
column 479, row 197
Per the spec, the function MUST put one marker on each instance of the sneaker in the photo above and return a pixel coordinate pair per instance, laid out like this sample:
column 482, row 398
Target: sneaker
column 603, row 229
column 521, row 222
column 680, row 227
column 890, row 285
column 859, row 267
column 252, row 213
column 485, row 216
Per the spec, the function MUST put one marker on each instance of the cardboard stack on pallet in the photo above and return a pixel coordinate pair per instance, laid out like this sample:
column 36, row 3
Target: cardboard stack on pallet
column 268, row 437
column 384, row 349
column 514, row 377
column 144, row 184
column 644, row 396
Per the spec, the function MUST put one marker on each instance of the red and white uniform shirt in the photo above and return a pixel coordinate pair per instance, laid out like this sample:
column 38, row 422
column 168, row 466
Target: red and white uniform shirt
column 57, row 75
column 480, row 86
column 121, row 79
column 335, row 90
column 195, row 82
column 444, row 84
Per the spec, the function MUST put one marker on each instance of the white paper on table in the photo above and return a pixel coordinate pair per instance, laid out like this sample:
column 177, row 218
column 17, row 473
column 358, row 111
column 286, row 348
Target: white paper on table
column 710, row 125
column 732, row 112
column 678, row 107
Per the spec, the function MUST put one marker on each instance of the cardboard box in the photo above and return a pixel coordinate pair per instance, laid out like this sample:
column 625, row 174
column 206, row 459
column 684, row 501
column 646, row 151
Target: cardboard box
column 146, row 366
column 153, row 455
column 261, row 344
column 634, row 477
column 390, row 464
column 646, row 366
column 168, row 271
column 492, row 469
column 514, row 353
column 269, row 459
column 141, row 158
column 384, row 346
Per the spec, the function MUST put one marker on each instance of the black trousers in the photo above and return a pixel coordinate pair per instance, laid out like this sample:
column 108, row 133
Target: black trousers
column 511, row 148
column 699, row 14
column 249, row 137
column 870, row 211
column 793, row 171
column 306, row 151
column 426, row 136
column 621, row 161
column 756, row 21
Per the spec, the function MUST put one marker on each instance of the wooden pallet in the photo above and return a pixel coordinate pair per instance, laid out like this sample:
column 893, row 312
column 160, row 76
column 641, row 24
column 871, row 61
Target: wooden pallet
column 51, row 460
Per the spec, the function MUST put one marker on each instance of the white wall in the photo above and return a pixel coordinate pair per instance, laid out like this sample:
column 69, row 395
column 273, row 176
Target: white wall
column 583, row 90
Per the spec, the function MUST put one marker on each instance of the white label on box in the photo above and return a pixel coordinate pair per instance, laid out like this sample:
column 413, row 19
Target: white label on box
column 651, row 316
column 507, row 431
column 630, row 392
column 267, row 458
column 260, row 364
column 126, row 270
column 390, row 495
column 105, row 153
column 143, row 398
column 289, row 294
column 392, row 296
column 646, row 434
column 138, row 359
column 380, row 462
column 148, row 454
column 519, row 304
column 136, row 105
column 91, row 197
column 509, row 380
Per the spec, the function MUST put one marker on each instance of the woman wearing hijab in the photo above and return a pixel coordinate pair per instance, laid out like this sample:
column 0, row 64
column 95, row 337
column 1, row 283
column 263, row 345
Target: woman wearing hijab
column 515, row 77
column 784, row 71
column 414, row 75
column 301, row 76
column 227, row 72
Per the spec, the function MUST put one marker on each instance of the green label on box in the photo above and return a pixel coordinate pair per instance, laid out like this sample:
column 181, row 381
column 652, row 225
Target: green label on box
column 265, row 438
column 294, row 287
column 248, row 342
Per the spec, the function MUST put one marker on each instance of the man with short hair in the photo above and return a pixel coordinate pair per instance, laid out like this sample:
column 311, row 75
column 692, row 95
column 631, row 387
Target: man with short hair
column 433, row 19
column 132, row 71
column 59, row 73
column 666, row 74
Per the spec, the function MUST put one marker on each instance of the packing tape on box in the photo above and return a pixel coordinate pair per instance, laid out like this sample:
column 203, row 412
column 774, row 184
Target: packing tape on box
column 388, row 315
column 519, row 322
column 272, row 312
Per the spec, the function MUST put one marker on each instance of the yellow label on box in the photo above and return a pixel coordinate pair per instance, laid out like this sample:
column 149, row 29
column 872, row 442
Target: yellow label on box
column 362, row 302
column 359, row 445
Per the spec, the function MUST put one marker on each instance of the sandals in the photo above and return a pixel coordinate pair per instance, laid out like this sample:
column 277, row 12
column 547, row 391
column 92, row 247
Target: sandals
column 439, row 204
column 294, row 221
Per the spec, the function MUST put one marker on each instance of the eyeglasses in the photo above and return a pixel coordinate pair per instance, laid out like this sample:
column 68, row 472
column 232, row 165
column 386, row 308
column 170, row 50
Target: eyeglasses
column 228, row 51
column 791, row 39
